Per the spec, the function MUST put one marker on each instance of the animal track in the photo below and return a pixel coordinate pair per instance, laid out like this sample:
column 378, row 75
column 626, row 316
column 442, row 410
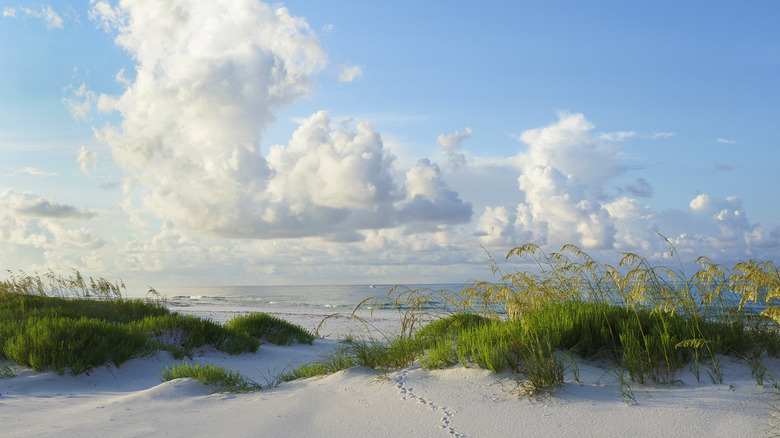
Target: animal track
column 407, row 393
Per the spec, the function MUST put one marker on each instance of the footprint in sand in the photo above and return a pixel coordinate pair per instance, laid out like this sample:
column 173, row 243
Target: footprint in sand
column 407, row 393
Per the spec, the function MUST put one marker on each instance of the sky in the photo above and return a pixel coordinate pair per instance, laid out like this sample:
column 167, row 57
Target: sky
column 182, row 143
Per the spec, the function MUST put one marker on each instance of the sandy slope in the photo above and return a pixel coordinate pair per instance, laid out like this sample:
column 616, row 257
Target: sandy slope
column 132, row 401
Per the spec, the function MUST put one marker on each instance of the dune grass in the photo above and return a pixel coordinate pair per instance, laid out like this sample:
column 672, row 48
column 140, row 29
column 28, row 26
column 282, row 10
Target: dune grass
column 647, row 322
column 216, row 376
column 270, row 328
column 69, row 323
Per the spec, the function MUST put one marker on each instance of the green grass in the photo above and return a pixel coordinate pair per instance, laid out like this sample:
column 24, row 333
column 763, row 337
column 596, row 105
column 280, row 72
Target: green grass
column 75, row 324
column 648, row 322
column 274, row 330
column 218, row 377
column 645, row 322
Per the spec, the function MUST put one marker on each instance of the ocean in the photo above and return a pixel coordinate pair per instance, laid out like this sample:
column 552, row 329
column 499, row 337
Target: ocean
column 324, row 297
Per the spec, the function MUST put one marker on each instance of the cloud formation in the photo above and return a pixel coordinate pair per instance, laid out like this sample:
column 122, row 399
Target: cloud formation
column 32, row 171
column 51, row 18
column 87, row 161
column 640, row 188
column 45, row 208
column 350, row 72
column 31, row 221
column 453, row 146
column 80, row 102
column 563, row 175
column 193, row 116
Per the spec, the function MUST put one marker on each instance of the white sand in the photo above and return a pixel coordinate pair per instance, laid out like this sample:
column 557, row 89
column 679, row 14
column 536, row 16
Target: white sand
column 132, row 400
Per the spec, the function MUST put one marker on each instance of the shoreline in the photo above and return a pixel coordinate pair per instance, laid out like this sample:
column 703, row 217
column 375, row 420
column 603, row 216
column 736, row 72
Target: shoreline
column 382, row 323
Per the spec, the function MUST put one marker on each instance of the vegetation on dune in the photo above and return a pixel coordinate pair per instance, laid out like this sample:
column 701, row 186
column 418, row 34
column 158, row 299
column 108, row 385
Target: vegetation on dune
column 274, row 330
column 71, row 323
column 643, row 322
column 218, row 377
column 647, row 321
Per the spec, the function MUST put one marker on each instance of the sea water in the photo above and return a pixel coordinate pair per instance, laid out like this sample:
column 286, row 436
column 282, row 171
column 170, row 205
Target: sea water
column 333, row 297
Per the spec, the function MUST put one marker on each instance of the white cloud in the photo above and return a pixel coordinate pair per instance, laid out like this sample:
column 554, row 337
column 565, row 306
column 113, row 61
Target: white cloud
column 562, row 174
column 120, row 77
column 45, row 13
column 725, row 141
column 32, row 171
column 106, row 16
column 87, row 160
column 431, row 204
column 36, row 222
column 453, row 146
column 662, row 135
column 617, row 136
column 701, row 202
column 340, row 169
column 497, row 227
column 80, row 102
column 350, row 72
column 193, row 115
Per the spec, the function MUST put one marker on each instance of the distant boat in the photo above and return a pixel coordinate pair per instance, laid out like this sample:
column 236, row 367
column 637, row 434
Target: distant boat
column 371, row 286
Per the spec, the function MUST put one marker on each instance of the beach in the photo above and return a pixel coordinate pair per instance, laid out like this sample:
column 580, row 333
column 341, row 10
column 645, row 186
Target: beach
column 133, row 401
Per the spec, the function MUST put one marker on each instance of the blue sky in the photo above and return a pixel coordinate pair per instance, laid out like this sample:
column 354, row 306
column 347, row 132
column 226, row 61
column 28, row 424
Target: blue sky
column 196, row 142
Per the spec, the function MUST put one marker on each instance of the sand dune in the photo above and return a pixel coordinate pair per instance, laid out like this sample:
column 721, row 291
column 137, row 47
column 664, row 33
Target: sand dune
column 132, row 401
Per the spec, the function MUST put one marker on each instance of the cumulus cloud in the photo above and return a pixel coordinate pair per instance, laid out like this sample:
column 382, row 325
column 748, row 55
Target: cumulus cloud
column 721, row 226
column 563, row 172
column 562, row 175
column 498, row 227
column 453, row 146
column 430, row 203
column 208, row 78
column 45, row 13
column 192, row 121
column 350, row 72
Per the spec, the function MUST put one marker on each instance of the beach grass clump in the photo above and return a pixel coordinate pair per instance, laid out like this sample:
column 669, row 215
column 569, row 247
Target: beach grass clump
column 72, row 323
column 221, row 379
column 189, row 332
column 340, row 359
column 647, row 321
column 78, row 344
column 274, row 330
